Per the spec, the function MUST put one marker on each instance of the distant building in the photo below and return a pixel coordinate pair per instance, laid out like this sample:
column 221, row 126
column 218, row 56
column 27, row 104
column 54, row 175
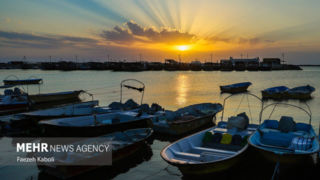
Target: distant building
column 272, row 60
column 245, row 61
column 196, row 62
column 274, row 63
column 170, row 61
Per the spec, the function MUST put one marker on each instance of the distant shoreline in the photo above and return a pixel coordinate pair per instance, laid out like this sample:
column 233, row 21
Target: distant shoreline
column 309, row 65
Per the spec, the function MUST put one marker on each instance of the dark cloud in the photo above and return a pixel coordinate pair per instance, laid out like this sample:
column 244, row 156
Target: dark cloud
column 136, row 33
column 25, row 40
column 241, row 40
column 118, row 34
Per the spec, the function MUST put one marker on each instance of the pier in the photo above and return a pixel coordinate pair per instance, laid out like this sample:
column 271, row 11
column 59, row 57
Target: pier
column 254, row 64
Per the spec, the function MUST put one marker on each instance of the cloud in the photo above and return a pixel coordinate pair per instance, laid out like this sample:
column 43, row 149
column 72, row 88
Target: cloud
column 118, row 35
column 239, row 40
column 133, row 32
column 26, row 40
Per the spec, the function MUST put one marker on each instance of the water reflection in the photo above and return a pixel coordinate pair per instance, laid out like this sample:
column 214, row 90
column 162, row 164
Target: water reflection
column 109, row 172
column 182, row 89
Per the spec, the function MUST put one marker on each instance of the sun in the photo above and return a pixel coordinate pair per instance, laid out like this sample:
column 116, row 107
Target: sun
column 183, row 47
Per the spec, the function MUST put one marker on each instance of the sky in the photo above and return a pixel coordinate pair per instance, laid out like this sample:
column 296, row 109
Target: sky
column 152, row 30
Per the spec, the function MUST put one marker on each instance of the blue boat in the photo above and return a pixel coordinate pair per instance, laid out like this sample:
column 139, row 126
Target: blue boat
column 285, row 141
column 278, row 92
column 235, row 88
column 301, row 92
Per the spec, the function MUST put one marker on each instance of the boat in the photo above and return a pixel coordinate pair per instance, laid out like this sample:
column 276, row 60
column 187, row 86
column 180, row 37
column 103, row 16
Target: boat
column 212, row 150
column 301, row 92
column 95, row 125
column 40, row 98
column 54, row 97
column 285, row 141
column 124, row 145
column 185, row 120
column 235, row 88
column 77, row 109
column 13, row 101
column 278, row 92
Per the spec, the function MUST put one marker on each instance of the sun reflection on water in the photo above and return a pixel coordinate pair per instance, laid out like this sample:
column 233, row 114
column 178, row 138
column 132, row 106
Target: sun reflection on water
column 182, row 89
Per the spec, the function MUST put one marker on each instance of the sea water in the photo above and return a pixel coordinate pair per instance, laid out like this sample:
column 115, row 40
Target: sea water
column 172, row 90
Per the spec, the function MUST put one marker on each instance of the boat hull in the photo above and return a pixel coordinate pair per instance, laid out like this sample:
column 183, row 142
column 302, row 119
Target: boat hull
column 91, row 131
column 234, row 90
column 65, row 172
column 53, row 97
column 301, row 96
column 12, row 108
column 266, row 95
column 178, row 129
column 210, row 168
column 289, row 159
column 298, row 96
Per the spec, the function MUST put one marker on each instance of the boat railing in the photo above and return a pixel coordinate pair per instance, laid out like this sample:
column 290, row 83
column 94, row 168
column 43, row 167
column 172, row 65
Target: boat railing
column 86, row 92
column 22, row 84
column 243, row 95
column 139, row 89
column 307, row 111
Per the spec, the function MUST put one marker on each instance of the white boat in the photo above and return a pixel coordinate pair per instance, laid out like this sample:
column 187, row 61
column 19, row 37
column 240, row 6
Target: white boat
column 54, row 97
column 94, row 125
column 185, row 120
column 13, row 101
column 212, row 150
column 77, row 109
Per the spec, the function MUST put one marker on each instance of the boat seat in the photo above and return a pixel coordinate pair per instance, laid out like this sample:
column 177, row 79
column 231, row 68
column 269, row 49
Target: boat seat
column 213, row 150
column 186, row 156
column 225, row 147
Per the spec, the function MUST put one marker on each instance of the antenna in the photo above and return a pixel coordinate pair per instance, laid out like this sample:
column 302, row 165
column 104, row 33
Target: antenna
column 50, row 58
column 211, row 57
column 140, row 57
column 179, row 57
column 283, row 58
column 241, row 55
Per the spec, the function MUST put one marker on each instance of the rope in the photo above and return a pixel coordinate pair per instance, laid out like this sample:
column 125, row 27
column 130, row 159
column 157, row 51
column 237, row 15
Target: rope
column 239, row 104
column 249, row 107
column 274, row 107
column 276, row 170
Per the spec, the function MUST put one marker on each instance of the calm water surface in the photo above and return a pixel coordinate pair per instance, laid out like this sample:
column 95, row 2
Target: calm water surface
column 172, row 90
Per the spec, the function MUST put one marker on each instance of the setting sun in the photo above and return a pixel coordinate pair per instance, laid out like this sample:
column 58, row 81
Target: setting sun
column 183, row 47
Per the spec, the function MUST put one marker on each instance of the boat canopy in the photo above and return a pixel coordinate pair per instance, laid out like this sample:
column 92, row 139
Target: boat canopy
column 23, row 81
